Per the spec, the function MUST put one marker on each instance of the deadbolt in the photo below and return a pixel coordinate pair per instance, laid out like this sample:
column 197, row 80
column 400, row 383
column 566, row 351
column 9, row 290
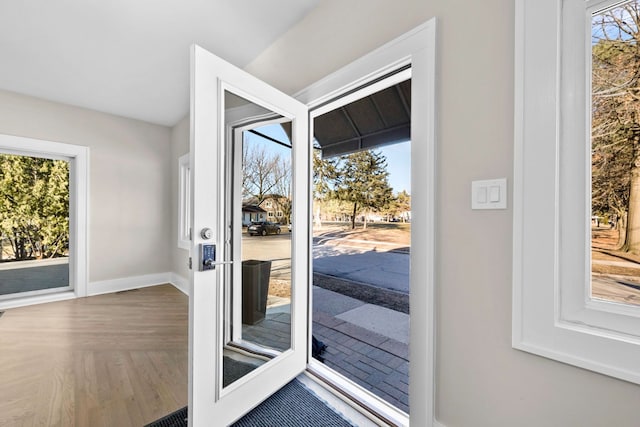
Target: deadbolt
column 206, row 233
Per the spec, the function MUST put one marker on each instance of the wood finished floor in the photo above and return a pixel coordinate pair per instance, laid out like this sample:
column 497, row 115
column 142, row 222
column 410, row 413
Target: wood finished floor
column 110, row 360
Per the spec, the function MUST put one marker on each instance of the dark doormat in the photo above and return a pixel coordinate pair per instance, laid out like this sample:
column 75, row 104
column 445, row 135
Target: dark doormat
column 291, row 406
column 234, row 370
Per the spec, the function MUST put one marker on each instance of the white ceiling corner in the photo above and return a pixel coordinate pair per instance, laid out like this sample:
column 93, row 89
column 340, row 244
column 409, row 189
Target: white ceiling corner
column 130, row 58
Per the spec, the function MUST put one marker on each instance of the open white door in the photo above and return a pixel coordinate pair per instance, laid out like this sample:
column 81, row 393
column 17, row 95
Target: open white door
column 227, row 105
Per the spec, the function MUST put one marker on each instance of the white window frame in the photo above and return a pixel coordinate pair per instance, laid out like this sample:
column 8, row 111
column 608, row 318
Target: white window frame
column 78, row 157
column 184, row 202
column 553, row 312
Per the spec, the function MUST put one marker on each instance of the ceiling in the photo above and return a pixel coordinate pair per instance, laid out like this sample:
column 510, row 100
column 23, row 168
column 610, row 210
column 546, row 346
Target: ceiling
column 379, row 119
column 130, row 58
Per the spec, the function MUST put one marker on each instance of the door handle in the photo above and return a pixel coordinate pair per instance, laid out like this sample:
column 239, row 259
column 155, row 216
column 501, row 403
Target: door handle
column 207, row 259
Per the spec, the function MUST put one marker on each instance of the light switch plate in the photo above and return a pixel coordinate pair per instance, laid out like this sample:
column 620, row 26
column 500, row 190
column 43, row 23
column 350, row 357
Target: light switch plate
column 489, row 194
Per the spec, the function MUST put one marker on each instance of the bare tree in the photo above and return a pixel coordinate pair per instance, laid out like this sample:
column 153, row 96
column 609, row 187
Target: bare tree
column 616, row 118
column 282, row 190
column 261, row 172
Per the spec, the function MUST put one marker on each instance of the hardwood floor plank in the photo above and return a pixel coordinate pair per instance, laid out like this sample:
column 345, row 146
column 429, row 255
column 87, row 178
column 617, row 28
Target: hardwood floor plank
column 109, row 360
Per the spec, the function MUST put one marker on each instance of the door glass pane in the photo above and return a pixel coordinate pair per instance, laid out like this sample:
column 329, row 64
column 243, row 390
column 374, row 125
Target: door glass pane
column 362, row 241
column 259, row 299
column 34, row 225
column 615, row 155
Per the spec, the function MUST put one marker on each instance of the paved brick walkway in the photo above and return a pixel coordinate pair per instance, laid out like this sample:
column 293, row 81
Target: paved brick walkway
column 379, row 362
column 375, row 362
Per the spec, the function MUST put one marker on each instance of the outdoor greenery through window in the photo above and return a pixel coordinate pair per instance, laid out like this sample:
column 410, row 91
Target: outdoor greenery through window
column 34, row 223
column 615, row 153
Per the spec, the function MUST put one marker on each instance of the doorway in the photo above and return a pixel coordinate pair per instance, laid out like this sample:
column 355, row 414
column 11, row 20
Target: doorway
column 362, row 238
column 414, row 51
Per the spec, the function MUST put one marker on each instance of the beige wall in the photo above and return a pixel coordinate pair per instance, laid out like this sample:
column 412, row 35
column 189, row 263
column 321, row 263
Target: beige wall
column 129, row 205
column 179, row 146
column 481, row 380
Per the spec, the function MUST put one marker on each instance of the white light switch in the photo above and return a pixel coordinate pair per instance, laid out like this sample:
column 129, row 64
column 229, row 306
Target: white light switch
column 489, row 194
column 494, row 194
column 482, row 195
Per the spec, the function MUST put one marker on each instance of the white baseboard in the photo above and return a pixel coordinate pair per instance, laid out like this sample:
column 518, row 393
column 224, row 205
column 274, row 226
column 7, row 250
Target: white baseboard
column 180, row 283
column 37, row 299
column 437, row 423
column 127, row 283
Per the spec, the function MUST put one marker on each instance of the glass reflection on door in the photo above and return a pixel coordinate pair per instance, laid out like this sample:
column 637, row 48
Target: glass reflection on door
column 258, row 288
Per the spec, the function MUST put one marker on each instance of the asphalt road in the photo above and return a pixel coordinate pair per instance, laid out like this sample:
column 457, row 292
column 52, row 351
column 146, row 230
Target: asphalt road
column 273, row 247
column 389, row 270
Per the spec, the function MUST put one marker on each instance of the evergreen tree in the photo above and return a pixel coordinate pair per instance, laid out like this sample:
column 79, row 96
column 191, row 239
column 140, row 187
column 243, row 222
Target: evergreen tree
column 34, row 209
column 402, row 204
column 324, row 179
column 362, row 180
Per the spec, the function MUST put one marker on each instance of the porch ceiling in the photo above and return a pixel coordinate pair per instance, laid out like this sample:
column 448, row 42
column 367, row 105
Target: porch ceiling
column 379, row 119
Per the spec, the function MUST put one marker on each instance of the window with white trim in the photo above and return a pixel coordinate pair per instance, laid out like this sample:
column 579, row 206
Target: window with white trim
column 184, row 202
column 557, row 312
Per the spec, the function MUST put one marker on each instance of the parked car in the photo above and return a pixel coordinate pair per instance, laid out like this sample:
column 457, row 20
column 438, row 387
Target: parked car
column 263, row 228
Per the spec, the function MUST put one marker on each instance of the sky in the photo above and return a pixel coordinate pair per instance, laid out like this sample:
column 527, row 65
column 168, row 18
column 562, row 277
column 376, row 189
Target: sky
column 398, row 165
column 398, row 155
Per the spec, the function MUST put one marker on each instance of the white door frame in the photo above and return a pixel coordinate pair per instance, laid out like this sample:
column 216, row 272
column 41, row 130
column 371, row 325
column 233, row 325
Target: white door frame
column 78, row 157
column 418, row 49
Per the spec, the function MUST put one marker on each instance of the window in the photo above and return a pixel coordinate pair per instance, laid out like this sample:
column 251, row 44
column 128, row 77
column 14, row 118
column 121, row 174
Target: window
column 615, row 174
column 184, row 202
column 60, row 171
column 34, row 225
column 279, row 214
column 556, row 312
column 267, row 204
column 270, row 214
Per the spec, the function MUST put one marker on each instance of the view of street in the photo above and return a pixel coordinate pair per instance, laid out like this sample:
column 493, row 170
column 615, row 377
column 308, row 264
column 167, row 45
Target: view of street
column 359, row 260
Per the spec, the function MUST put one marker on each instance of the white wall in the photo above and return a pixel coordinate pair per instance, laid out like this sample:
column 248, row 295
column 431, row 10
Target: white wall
column 129, row 201
column 481, row 380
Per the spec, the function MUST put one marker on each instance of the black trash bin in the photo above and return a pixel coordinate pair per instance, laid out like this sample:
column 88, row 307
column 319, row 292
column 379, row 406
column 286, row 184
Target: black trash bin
column 255, row 288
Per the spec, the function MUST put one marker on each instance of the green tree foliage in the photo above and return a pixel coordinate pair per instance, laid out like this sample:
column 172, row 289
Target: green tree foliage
column 34, row 209
column 401, row 205
column 325, row 174
column 362, row 180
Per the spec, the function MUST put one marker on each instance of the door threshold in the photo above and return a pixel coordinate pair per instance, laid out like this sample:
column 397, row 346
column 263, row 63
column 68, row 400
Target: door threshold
column 354, row 402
